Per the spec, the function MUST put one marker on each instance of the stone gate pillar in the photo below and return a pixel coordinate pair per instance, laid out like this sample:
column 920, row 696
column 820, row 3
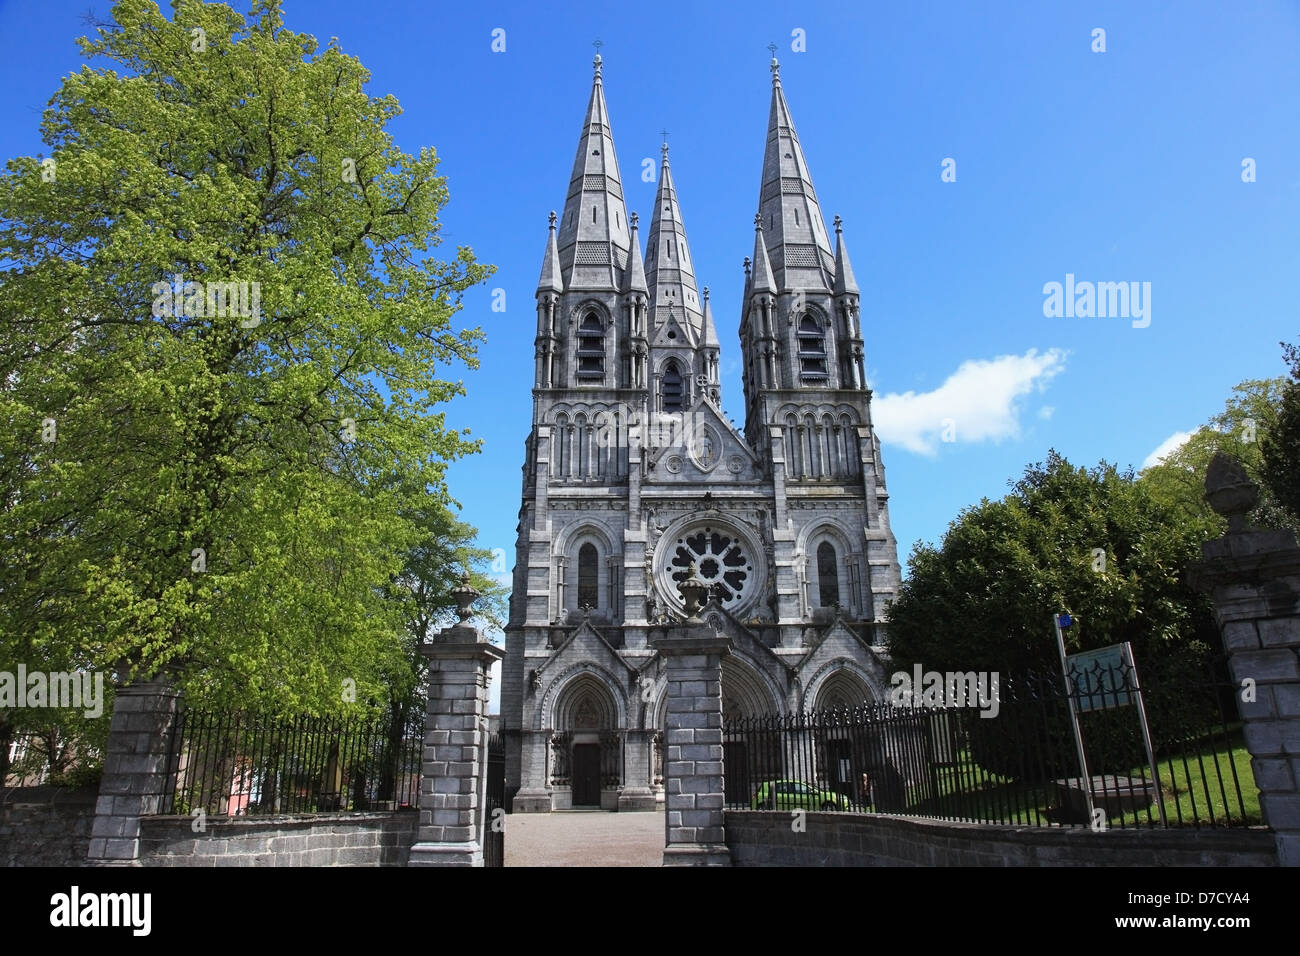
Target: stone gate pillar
column 1253, row 577
column 693, row 766
column 137, row 769
column 453, row 782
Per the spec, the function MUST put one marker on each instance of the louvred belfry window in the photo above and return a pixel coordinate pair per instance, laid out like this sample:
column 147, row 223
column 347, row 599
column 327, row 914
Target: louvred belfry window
column 812, row 350
column 591, row 350
column 673, row 391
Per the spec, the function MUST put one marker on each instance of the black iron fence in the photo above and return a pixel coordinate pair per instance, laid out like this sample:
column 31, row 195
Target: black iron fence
column 1011, row 758
column 494, row 839
column 233, row 763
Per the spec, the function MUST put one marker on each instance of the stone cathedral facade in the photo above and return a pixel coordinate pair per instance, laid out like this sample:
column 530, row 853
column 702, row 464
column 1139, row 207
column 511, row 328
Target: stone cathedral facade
column 634, row 479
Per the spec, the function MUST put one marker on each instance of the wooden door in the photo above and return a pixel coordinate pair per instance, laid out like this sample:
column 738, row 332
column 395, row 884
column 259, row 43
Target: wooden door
column 586, row 775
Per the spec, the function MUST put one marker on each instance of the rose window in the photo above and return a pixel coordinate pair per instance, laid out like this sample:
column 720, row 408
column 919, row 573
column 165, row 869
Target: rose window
column 719, row 560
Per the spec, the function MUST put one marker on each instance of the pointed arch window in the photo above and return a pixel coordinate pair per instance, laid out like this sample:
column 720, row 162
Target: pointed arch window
column 812, row 350
column 591, row 349
column 828, row 575
column 672, row 389
column 588, row 589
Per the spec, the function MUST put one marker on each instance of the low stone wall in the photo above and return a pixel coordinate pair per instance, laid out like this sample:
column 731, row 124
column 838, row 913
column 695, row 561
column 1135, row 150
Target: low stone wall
column 765, row 838
column 353, row 839
column 45, row 826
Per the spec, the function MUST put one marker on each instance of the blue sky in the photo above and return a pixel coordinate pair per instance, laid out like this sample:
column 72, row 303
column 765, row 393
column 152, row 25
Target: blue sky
column 1117, row 166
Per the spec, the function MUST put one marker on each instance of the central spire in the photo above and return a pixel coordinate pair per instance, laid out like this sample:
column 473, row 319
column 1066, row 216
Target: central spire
column 793, row 227
column 594, row 236
column 669, row 271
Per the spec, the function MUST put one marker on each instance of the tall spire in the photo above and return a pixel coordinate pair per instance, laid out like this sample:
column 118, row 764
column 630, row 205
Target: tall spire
column 796, row 233
column 669, row 270
column 844, row 280
column 594, row 236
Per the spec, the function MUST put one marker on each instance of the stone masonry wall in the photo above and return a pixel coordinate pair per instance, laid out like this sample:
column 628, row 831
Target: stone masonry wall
column 764, row 838
column 45, row 826
column 353, row 839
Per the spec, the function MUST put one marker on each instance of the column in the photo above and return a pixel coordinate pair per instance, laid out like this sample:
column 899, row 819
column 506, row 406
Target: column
column 137, row 769
column 1253, row 577
column 453, row 783
column 636, row 793
column 693, row 775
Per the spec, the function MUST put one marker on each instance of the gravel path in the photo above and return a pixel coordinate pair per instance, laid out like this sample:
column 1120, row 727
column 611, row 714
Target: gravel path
column 585, row 838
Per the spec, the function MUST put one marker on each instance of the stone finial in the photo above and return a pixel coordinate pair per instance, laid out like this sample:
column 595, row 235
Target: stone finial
column 465, row 595
column 634, row 219
column 552, row 219
column 692, row 591
column 839, row 224
column 1230, row 491
column 746, row 267
column 758, row 221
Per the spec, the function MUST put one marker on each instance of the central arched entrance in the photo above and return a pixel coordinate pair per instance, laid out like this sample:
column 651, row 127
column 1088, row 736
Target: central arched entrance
column 585, row 749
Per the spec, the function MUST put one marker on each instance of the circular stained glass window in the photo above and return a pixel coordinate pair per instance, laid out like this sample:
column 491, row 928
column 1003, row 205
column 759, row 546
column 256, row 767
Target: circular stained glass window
column 721, row 562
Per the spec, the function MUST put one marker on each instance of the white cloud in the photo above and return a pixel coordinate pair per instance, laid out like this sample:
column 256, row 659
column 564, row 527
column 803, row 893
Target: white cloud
column 1172, row 443
column 1046, row 412
column 981, row 401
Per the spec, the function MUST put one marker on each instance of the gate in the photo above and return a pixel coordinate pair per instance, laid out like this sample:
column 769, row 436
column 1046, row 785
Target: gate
column 494, row 824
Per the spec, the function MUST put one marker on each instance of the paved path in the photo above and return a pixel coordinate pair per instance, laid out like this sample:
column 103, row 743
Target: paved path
column 585, row 838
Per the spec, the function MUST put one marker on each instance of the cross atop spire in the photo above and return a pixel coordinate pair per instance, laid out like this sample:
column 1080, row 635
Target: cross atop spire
column 664, row 147
column 597, row 43
column 775, row 66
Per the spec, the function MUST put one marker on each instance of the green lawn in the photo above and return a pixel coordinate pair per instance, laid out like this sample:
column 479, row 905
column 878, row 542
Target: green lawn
column 1190, row 785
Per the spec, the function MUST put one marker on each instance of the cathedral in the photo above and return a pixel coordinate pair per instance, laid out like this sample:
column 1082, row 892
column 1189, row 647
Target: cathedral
column 634, row 479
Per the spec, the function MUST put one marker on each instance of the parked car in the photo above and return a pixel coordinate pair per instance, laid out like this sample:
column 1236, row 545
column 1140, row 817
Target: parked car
column 796, row 795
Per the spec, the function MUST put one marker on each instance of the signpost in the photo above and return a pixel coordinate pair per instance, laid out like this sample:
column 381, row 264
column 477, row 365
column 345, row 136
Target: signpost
column 1060, row 622
column 1100, row 680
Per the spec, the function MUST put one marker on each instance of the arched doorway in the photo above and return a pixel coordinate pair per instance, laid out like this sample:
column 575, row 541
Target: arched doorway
column 846, row 758
column 586, row 748
column 747, row 699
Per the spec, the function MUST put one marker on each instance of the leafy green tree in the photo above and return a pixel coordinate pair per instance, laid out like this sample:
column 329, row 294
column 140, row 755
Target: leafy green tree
column 1246, row 428
column 1280, row 470
column 203, row 486
column 1093, row 542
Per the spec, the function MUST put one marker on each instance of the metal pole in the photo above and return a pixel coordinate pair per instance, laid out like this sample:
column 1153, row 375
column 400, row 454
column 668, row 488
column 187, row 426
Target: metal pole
column 1146, row 733
column 1086, row 779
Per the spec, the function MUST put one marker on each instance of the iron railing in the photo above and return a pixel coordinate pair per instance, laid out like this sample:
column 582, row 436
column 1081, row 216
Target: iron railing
column 494, row 839
column 1014, row 763
column 236, row 763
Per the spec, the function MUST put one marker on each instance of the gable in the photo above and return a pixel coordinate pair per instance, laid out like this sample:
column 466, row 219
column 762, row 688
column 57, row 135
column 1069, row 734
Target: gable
column 700, row 443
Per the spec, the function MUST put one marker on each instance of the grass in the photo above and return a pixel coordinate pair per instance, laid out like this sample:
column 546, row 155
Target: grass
column 1197, row 788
